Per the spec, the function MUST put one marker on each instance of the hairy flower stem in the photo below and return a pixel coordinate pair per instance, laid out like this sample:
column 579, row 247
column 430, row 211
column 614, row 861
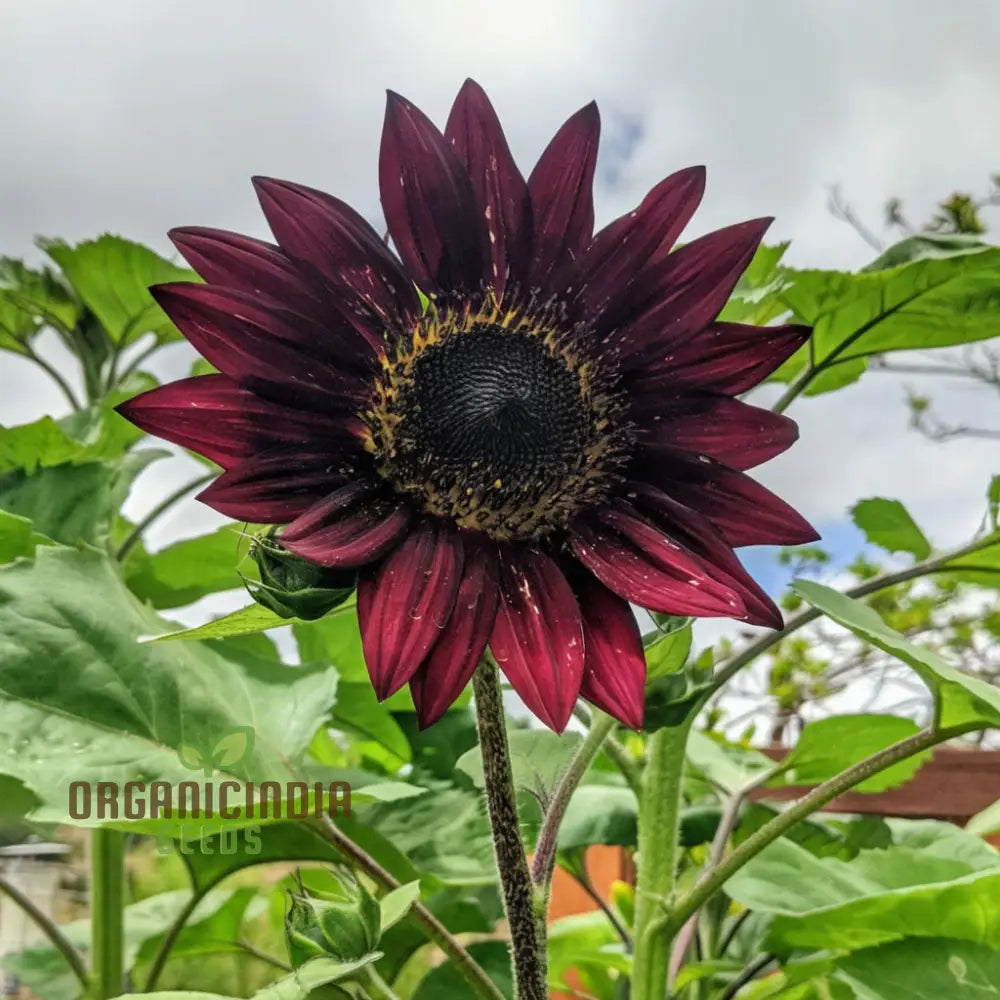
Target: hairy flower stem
column 525, row 917
column 659, row 828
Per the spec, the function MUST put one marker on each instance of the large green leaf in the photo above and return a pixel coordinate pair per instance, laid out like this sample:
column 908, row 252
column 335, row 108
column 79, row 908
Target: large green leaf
column 960, row 700
column 81, row 701
column 878, row 896
column 829, row 746
column 188, row 570
column 112, row 276
column 926, row 302
column 599, row 814
column 935, row 969
column 887, row 523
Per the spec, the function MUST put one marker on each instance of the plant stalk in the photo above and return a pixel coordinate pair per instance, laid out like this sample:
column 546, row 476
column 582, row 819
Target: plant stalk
column 659, row 829
column 548, row 837
column 107, row 905
column 525, row 915
column 482, row 986
column 50, row 929
column 716, row 877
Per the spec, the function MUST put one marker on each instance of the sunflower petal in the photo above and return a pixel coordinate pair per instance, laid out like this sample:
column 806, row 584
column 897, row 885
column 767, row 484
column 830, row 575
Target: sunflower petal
column 612, row 261
column 745, row 512
column 637, row 560
column 501, row 192
column 354, row 525
column 429, row 204
column 680, row 294
column 733, row 432
column 274, row 487
column 453, row 660
column 701, row 537
column 562, row 195
column 217, row 418
column 249, row 265
column 404, row 604
column 614, row 676
column 727, row 358
column 327, row 235
column 538, row 636
column 266, row 348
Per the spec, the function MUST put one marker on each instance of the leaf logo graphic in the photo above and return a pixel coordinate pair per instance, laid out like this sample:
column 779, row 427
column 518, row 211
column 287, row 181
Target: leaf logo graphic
column 231, row 750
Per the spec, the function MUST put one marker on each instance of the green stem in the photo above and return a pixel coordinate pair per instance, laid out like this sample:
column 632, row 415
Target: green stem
column 548, row 836
column 107, row 904
column 525, row 916
column 379, row 988
column 659, row 828
column 56, row 377
column 936, row 564
column 630, row 768
column 160, row 509
column 473, row 973
column 51, row 930
column 169, row 940
column 714, row 879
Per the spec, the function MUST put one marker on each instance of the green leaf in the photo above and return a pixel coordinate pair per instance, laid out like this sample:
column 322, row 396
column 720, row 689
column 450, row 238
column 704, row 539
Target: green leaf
column 246, row 621
column 315, row 973
column 81, row 701
column 981, row 567
column 993, row 500
column 587, row 944
column 599, row 814
column 112, row 276
column 359, row 713
column 538, row 758
column 446, row 982
column 726, row 765
column 188, row 570
column 29, row 301
column 829, row 746
column 878, row 896
column 16, row 537
column 756, row 298
column 667, row 652
column 888, row 524
column 960, row 700
column 288, row 841
column 925, row 969
column 929, row 301
column 396, row 904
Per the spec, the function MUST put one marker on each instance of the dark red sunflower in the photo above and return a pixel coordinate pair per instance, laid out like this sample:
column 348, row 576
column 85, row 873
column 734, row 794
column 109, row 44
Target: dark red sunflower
column 510, row 430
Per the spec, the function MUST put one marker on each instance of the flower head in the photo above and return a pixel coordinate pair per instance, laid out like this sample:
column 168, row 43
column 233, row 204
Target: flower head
column 511, row 430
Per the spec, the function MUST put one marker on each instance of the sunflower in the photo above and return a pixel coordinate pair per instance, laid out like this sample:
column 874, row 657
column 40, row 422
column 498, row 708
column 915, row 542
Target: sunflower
column 510, row 429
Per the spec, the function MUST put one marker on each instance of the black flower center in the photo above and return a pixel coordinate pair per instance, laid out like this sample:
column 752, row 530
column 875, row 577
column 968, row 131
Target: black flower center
column 496, row 425
column 491, row 409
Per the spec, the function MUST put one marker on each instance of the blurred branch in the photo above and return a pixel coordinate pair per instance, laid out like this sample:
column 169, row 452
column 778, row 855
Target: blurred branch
column 751, row 972
column 50, row 929
column 840, row 209
column 55, row 375
column 160, row 509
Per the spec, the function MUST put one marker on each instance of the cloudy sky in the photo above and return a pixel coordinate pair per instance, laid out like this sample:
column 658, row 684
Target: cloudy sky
column 137, row 116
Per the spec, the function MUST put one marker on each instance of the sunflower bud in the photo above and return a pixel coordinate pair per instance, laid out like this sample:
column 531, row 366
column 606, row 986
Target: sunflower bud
column 293, row 587
column 344, row 922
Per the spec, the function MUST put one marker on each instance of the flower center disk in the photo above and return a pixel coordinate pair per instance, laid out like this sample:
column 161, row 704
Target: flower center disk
column 495, row 425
